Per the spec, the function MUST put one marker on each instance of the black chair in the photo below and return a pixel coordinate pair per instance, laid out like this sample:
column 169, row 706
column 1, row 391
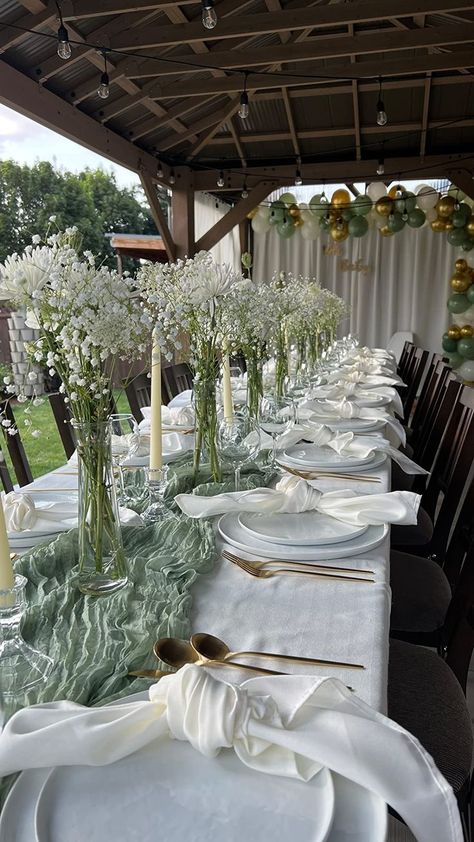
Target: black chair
column 176, row 379
column 138, row 391
column 405, row 357
column 16, row 451
column 415, row 375
column 62, row 416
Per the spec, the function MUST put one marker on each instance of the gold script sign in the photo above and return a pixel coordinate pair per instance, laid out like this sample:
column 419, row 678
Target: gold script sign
column 345, row 265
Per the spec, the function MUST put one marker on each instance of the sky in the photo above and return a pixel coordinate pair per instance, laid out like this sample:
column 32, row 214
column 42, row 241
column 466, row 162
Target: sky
column 26, row 142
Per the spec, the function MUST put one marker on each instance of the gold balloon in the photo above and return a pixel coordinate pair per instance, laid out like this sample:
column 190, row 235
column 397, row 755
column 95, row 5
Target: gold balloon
column 384, row 206
column 294, row 211
column 470, row 225
column 396, row 189
column 340, row 197
column 438, row 225
column 460, row 282
column 339, row 234
column 252, row 213
column 298, row 221
column 461, row 265
column 467, row 331
column 445, row 206
column 454, row 332
column 448, row 225
column 386, row 232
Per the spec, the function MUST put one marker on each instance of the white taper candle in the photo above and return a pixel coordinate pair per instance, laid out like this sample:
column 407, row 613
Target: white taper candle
column 7, row 579
column 156, row 455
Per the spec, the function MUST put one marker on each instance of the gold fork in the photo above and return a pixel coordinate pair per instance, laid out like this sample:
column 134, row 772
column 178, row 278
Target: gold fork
column 327, row 475
column 301, row 564
column 248, row 567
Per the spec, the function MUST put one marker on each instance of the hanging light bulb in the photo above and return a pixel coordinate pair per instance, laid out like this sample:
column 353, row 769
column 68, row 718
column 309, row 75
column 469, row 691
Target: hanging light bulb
column 382, row 118
column 245, row 192
column 220, row 180
column 244, row 100
column 64, row 47
column 209, row 17
column 298, row 179
column 381, row 167
column 104, row 90
column 172, row 177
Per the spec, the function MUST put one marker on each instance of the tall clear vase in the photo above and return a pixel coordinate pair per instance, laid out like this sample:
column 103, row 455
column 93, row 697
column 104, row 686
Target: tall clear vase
column 102, row 565
column 254, row 384
column 205, row 448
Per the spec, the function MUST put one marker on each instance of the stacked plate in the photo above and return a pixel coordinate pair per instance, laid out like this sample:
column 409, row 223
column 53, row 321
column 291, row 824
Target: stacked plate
column 312, row 457
column 170, row 786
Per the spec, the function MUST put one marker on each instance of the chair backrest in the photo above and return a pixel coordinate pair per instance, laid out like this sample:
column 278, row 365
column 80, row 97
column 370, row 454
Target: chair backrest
column 407, row 354
column 62, row 416
column 420, row 360
column 396, row 343
column 177, row 378
column 438, row 420
column 428, row 400
column 138, row 391
column 15, row 449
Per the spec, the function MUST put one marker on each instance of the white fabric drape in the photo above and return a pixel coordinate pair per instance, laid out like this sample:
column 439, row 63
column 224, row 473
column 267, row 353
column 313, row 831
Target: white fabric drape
column 405, row 288
column 208, row 211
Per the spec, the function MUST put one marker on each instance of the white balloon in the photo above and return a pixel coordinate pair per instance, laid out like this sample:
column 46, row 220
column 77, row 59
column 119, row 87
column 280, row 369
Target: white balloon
column 466, row 370
column 427, row 198
column 420, row 187
column 431, row 214
column 376, row 190
column 260, row 225
column 263, row 212
column 379, row 221
column 309, row 232
column 303, row 206
column 468, row 316
column 307, row 216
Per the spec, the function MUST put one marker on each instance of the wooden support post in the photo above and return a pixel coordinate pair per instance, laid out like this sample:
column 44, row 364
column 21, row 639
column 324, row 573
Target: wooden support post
column 182, row 215
column 463, row 179
column 158, row 215
column 244, row 236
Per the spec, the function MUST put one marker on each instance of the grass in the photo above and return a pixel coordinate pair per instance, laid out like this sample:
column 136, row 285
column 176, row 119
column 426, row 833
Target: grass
column 46, row 452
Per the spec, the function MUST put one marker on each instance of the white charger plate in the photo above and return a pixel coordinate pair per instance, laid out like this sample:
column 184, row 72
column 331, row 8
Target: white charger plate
column 375, row 461
column 233, row 533
column 303, row 529
column 322, row 456
column 380, row 400
column 355, row 425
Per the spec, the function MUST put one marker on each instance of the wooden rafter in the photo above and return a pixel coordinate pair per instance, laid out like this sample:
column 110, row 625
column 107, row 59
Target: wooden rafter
column 256, row 195
column 355, row 104
column 215, row 126
column 237, row 141
column 156, row 210
column 424, row 119
column 93, row 9
column 291, row 122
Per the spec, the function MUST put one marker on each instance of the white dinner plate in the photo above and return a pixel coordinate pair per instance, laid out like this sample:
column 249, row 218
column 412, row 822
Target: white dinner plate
column 322, row 456
column 373, row 462
column 170, row 787
column 303, row 529
column 364, row 400
column 232, row 532
column 355, row 425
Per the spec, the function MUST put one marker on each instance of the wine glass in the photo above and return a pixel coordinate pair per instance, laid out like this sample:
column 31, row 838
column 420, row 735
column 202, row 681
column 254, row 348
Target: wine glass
column 238, row 441
column 125, row 439
column 277, row 415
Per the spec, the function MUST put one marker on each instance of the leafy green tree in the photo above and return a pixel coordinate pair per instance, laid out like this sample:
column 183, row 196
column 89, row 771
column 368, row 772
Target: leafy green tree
column 91, row 199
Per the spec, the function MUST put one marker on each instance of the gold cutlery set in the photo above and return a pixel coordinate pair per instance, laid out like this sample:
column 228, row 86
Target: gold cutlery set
column 265, row 569
column 327, row 474
column 206, row 650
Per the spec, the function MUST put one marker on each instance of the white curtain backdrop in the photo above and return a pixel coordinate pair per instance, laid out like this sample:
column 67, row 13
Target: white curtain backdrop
column 405, row 288
column 208, row 211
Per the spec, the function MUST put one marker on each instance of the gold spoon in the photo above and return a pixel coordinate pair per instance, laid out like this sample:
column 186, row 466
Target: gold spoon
column 211, row 648
column 176, row 653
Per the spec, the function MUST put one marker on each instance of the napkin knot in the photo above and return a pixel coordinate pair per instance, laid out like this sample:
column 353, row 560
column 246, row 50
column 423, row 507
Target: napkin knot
column 20, row 511
column 300, row 496
column 207, row 713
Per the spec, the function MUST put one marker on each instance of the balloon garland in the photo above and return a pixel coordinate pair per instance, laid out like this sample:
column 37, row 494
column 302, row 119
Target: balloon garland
column 458, row 341
column 342, row 217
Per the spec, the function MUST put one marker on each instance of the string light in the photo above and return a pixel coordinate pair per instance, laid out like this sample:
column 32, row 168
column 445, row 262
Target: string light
column 220, row 180
column 245, row 192
column 159, row 169
column 244, row 100
column 209, row 17
column 64, row 47
column 382, row 118
column 104, row 88
column 172, row 177
column 381, row 166
column 298, row 179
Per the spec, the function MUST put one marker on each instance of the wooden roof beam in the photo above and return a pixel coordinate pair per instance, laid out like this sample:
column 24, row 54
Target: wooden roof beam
column 264, row 23
column 424, row 119
column 217, row 118
column 9, row 36
column 93, row 9
column 235, row 215
column 205, row 139
column 291, row 121
column 158, row 215
column 237, row 142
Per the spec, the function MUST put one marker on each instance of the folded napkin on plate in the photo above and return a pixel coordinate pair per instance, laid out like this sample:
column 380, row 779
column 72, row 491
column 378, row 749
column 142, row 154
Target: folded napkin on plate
column 182, row 415
column 358, row 376
column 344, row 409
column 344, row 389
column 23, row 515
column 292, row 726
column 293, row 495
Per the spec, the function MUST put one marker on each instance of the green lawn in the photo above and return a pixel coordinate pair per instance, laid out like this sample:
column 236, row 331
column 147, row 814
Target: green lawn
column 46, row 452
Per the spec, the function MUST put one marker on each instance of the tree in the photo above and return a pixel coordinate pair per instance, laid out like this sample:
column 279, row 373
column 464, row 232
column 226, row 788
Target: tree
column 91, row 199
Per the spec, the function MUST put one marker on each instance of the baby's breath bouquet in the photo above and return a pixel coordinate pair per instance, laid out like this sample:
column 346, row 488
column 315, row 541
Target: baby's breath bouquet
column 334, row 311
column 88, row 318
column 188, row 297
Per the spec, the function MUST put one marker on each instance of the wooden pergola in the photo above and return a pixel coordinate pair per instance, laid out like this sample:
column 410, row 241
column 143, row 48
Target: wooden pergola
column 313, row 72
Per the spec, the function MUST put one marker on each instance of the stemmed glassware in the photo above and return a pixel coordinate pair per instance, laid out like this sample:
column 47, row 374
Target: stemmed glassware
column 277, row 415
column 238, row 442
column 125, row 437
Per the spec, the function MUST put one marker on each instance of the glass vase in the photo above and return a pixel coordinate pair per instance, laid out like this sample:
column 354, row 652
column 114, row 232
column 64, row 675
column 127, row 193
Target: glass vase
column 254, row 384
column 281, row 362
column 102, row 566
column 205, row 447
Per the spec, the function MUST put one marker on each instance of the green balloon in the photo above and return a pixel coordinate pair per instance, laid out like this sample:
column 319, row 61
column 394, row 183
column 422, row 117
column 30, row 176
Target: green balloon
column 466, row 348
column 416, row 218
column 347, row 214
column 468, row 245
column 362, row 205
column 449, row 345
column 324, row 223
column 358, row 226
column 318, row 207
column 456, row 236
column 406, row 203
column 395, row 222
column 458, row 219
column 286, row 229
column 455, row 360
column 458, row 303
column 288, row 198
column 277, row 212
column 470, row 294
column 465, row 209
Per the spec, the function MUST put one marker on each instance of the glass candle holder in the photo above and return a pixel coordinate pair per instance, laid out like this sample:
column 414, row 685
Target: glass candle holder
column 157, row 479
column 21, row 666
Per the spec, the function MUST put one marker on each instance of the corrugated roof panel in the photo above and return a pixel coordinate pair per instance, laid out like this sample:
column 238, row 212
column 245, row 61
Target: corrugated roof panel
column 448, row 103
column 323, row 112
column 264, row 116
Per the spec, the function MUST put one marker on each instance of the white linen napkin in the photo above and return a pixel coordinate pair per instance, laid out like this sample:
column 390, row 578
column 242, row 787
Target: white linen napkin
column 291, row 725
column 344, row 409
column 345, row 389
column 358, row 376
column 294, row 495
column 182, row 415
column 23, row 514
